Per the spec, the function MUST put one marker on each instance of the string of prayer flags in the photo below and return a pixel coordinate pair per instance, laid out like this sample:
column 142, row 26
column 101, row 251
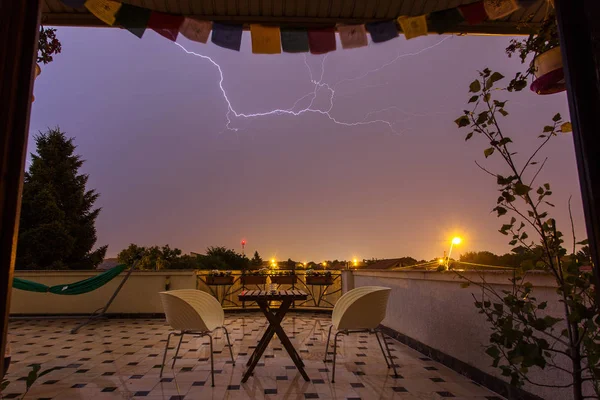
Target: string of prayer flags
column 104, row 10
column 474, row 13
column 294, row 41
column 445, row 20
column 74, row 3
column 265, row 39
column 353, row 36
column 413, row 26
column 133, row 18
column 196, row 30
column 496, row 9
column 166, row 25
column 321, row 41
column 382, row 31
column 227, row 36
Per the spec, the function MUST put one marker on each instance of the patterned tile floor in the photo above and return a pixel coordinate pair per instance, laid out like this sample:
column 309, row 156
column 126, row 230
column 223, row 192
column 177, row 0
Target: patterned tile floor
column 120, row 359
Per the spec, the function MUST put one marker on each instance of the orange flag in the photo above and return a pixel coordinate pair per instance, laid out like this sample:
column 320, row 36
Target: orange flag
column 265, row 39
column 196, row 30
column 104, row 10
column 413, row 26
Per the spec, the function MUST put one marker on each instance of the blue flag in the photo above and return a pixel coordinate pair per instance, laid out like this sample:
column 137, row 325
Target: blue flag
column 294, row 40
column 227, row 36
column 382, row 31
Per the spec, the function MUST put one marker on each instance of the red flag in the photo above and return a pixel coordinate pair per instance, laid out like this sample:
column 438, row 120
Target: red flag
column 166, row 25
column 321, row 41
column 474, row 13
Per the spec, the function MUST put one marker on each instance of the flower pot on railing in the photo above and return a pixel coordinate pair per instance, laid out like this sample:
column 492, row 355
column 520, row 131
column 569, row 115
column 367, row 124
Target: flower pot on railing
column 319, row 280
column 254, row 280
column 549, row 73
column 219, row 280
column 284, row 279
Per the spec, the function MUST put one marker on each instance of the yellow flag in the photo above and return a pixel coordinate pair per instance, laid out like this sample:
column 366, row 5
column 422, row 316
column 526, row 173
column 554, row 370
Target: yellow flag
column 104, row 10
column 413, row 26
column 265, row 39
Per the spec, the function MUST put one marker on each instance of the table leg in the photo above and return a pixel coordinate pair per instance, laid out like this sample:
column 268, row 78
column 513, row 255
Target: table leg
column 268, row 335
column 285, row 341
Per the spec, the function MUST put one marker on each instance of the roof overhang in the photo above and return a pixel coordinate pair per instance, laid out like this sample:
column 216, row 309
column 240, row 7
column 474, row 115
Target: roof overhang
column 306, row 13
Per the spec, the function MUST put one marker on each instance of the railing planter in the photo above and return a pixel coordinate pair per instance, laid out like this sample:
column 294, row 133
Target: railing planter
column 219, row 280
column 254, row 279
column 319, row 280
column 284, row 279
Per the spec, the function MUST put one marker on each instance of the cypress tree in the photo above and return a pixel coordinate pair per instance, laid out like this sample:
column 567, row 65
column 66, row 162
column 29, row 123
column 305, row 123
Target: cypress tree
column 57, row 215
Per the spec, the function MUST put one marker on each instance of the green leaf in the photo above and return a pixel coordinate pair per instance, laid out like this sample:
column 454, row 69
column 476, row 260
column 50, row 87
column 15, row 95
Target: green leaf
column 500, row 210
column 462, row 121
column 32, row 376
column 503, row 112
column 496, row 76
column 556, row 118
column 521, row 189
column 486, row 97
column 566, row 127
column 473, row 99
column 4, row 384
column 469, row 136
column 547, row 186
column 475, row 86
column 482, row 117
column 548, row 128
column 488, row 152
column 493, row 352
column 540, row 190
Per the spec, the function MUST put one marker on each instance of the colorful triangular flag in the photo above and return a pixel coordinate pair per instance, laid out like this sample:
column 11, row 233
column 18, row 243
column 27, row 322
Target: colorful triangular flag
column 166, row 25
column 474, row 13
column 133, row 18
column 353, row 36
column 265, row 39
column 382, row 31
column 104, row 10
column 496, row 9
column 413, row 26
column 321, row 41
column 445, row 20
column 196, row 30
column 294, row 40
column 227, row 36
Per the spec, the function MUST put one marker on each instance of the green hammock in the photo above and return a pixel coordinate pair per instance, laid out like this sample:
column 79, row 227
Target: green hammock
column 84, row 286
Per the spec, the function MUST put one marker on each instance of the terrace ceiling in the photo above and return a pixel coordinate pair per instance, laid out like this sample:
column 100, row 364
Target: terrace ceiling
column 305, row 13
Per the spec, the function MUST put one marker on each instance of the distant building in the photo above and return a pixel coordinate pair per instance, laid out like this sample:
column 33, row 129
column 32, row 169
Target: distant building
column 390, row 263
column 108, row 263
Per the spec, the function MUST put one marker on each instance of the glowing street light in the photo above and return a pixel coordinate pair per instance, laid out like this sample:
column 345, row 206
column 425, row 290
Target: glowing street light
column 455, row 241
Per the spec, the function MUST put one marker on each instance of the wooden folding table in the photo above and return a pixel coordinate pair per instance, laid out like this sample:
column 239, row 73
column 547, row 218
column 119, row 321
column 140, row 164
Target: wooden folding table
column 274, row 315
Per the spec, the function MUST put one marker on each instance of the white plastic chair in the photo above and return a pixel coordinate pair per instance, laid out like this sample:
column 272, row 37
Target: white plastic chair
column 360, row 310
column 193, row 312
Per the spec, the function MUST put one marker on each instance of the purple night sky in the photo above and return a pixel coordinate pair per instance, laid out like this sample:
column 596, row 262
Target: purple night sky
column 150, row 121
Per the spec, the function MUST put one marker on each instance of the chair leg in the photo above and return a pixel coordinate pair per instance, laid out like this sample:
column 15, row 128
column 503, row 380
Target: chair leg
column 382, row 350
column 389, row 354
column 327, row 344
column 212, row 364
column 162, row 367
column 177, row 351
column 334, row 355
column 229, row 344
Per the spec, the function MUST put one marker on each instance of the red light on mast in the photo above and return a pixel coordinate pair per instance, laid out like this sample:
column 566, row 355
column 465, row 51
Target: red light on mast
column 243, row 242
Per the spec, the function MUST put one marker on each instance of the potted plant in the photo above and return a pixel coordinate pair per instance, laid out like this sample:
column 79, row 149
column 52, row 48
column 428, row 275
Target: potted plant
column 216, row 277
column 255, row 277
column 318, row 278
column 546, row 66
column 284, row 278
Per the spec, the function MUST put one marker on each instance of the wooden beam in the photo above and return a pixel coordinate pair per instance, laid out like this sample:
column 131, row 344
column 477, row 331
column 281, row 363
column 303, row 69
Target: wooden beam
column 19, row 24
column 580, row 46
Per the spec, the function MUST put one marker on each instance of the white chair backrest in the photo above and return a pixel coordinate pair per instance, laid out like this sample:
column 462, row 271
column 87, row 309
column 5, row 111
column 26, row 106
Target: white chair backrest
column 192, row 310
column 361, row 308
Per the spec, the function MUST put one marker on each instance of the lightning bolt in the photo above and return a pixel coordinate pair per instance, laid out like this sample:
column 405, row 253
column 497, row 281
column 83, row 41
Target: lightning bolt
column 319, row 86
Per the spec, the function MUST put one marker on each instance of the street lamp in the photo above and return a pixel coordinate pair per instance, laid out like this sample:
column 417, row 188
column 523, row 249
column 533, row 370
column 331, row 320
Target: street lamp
column 455, row 241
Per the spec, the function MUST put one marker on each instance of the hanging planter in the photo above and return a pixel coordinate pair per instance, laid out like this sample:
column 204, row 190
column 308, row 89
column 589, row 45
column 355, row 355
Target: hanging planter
column 38, row 71
column 549, row 73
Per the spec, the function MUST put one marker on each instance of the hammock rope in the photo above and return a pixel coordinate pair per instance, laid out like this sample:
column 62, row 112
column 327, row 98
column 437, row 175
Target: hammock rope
column 75, row 288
